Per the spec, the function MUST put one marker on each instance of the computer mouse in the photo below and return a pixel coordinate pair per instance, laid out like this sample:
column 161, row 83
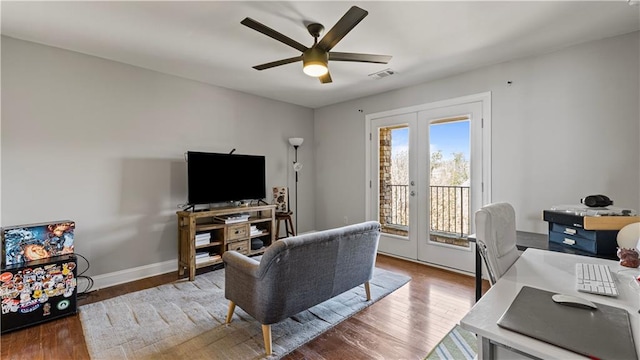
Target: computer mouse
column 574, row 301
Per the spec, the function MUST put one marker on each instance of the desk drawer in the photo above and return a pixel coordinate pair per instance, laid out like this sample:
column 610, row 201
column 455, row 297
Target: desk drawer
column 239, row 246
column 599, row 244
column 239, row 231
column 573, row 241
column 586, row 234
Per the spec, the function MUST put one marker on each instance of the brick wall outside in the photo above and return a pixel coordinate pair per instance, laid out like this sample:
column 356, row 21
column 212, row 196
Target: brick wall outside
column 385, row 181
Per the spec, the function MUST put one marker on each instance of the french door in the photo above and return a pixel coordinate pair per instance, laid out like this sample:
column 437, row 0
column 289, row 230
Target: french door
column 428, row 174
column 394, row 170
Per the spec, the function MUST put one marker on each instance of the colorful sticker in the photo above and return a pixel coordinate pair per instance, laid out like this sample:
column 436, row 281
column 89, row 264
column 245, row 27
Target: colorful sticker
column 46, row 310
column 63, row 304
column 27, row 289
column 6, row 277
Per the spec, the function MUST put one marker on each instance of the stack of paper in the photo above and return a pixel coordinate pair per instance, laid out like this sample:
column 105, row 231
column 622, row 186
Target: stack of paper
column 202, row 257
column 203, row 239
column 255, row 230
column 205, row 257
column 230, row 219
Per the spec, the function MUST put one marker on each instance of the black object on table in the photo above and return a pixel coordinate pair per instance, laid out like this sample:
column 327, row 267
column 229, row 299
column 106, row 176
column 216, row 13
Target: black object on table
column 526, row 240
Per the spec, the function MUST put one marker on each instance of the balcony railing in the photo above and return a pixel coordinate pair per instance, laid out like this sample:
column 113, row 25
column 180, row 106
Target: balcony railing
column 399, row 205
column 450, row 208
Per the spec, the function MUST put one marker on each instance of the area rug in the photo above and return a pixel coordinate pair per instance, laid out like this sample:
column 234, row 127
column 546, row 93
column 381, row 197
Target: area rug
column 459, row 344
column 185, row 320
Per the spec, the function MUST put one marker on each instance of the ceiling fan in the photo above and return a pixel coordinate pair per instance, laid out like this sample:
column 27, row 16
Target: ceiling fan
column 315, row 59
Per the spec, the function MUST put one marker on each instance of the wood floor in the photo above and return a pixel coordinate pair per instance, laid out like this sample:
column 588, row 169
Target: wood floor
column 406, row 324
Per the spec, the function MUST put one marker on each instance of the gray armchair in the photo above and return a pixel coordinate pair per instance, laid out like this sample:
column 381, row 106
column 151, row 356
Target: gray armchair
column 299, row 272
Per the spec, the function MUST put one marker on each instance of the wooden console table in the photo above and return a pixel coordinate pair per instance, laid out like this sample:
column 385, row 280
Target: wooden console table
column 221, row 236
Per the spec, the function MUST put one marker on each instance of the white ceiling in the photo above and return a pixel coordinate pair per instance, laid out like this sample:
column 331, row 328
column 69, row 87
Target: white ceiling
column 205, row 41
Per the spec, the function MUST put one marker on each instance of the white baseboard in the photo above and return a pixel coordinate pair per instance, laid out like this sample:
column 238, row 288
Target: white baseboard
column 128, row 275
column 137, row 273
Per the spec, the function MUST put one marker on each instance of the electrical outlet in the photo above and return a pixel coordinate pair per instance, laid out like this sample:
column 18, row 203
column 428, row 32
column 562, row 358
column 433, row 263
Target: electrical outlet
column 346, row 220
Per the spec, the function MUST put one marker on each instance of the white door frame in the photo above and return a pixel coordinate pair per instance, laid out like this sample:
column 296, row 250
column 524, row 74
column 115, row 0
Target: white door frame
column 484, row 98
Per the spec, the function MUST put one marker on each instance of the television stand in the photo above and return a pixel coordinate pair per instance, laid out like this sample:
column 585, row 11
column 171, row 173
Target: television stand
column 203, row 236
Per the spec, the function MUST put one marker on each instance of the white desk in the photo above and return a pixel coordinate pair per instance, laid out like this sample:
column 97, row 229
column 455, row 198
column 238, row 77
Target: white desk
column 551, row 271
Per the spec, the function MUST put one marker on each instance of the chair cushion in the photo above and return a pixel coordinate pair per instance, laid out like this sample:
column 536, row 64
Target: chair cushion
column 496, row 228
column 502, row 220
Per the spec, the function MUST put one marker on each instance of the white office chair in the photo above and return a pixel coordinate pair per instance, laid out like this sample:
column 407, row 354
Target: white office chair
column 496, row 238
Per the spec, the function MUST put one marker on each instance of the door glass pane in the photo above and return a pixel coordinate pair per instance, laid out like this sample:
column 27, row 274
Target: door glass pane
column 394, row 179
column 449, row 193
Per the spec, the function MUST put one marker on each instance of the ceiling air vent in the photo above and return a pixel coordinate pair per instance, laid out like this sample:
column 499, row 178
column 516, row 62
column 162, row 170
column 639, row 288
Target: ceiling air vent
column 382, row 74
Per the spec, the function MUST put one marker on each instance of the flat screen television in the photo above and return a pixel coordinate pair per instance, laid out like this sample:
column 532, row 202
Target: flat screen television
column 216, row 178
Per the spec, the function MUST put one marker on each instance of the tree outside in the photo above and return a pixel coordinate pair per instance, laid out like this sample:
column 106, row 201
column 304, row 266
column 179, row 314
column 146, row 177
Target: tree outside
column 449, row 180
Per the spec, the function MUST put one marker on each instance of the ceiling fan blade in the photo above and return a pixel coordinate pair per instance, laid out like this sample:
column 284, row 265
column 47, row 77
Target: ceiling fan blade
column 278, row 63
column 326, row 78
column 368, row 58
column 249, row 22
column 346, row 23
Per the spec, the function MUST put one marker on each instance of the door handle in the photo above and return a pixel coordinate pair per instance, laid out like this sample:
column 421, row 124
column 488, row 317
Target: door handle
column 412, row 193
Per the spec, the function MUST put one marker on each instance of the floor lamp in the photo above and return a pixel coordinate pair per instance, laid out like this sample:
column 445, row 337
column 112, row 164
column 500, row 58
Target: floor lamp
column 296, row 142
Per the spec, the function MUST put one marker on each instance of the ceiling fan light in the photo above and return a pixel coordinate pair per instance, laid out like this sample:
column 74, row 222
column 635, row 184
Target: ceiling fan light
column 315, row 70
column 314, row 62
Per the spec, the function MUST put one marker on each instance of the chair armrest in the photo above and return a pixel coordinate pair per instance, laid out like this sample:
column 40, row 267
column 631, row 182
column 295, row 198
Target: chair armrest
column 241, row 263
column 242, row 284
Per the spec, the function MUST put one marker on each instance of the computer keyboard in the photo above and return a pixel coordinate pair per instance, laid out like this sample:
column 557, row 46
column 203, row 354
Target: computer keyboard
column 595, row 279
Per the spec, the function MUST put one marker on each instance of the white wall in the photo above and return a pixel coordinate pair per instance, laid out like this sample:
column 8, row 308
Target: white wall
column 568, row 127
column 102, row 143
